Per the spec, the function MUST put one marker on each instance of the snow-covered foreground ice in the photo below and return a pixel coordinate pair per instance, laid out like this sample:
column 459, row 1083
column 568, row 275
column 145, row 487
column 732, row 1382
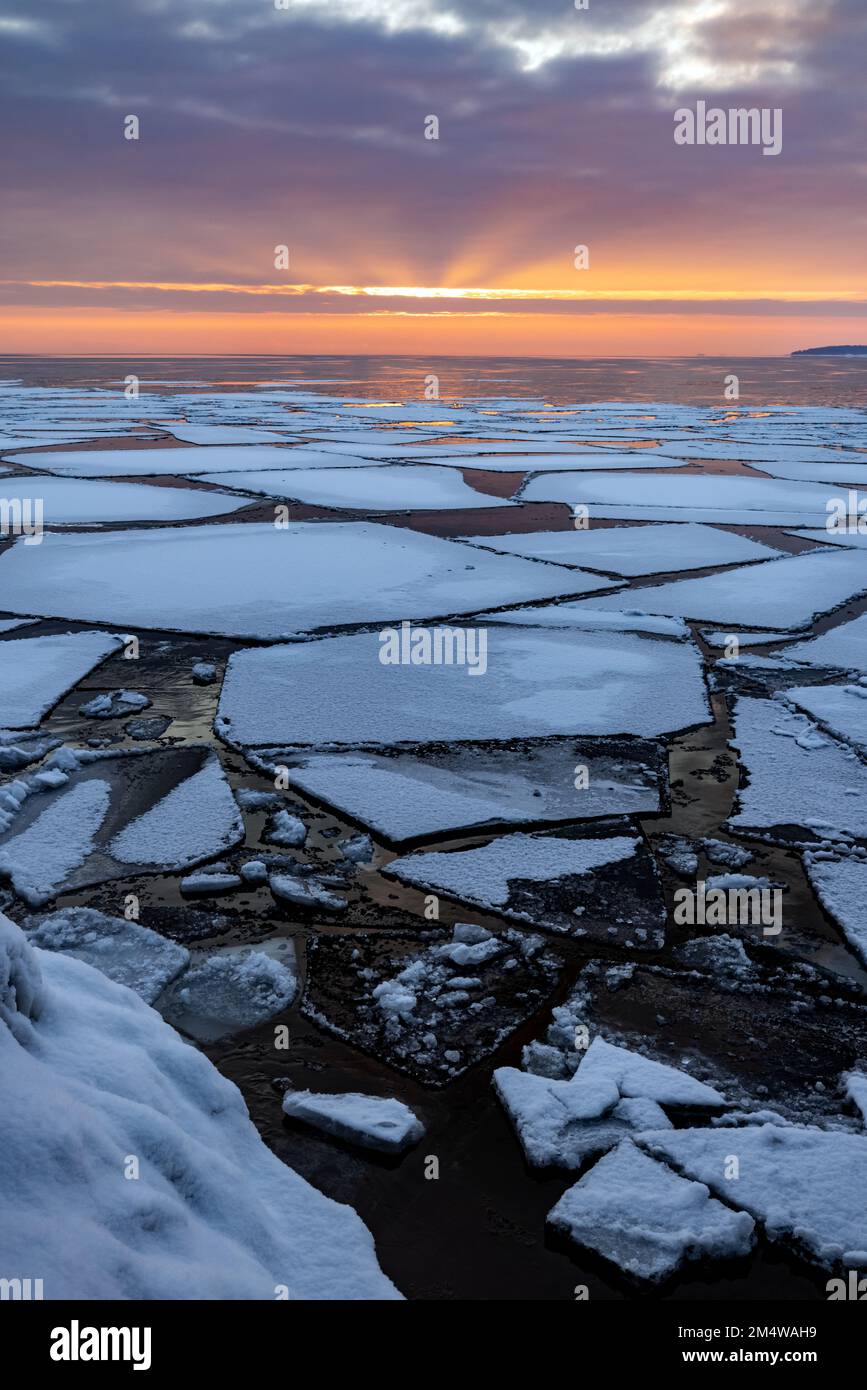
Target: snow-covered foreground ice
column 541, row 682
column 806, row 1186
column 258, row 580
column 373, row 1122
column 786, row 593
column 605, row 887
column 632, row 550
column 77, row 502
column 797, row 779
column 641, row 1216
column 391, row 489
column 85, row 818
column 36, row 672
column 213, row 1214
column 412, row 796
column 686, row 497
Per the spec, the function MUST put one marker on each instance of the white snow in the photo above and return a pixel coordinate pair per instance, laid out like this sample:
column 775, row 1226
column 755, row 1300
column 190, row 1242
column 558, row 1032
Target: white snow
column 855, row 1083
column 786, row 593
column 844, row 647
column 538, row 682
column 840, row 884
column 795, row 775
column 196, row 820
column 258, row 580
column 407, row 797
column 40, row 858
column 632, row 550
column 806, row 1186
column 36, row 672
column 401, row 488
column 580, row 618
column 646, row 1219
column 840, row 708
column 374, row 1122
column 745, row 639
column 126, row 952
column 89, row 1076
column 73, row 502
column 232, row 990
column 724, row 499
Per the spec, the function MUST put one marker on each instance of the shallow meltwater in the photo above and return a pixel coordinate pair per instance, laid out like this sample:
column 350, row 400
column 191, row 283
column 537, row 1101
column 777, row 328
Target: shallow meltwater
column 389, row 882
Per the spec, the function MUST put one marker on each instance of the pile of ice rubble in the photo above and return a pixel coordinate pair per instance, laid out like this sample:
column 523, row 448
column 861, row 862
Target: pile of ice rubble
column 130, row 1167
column 659, row 1195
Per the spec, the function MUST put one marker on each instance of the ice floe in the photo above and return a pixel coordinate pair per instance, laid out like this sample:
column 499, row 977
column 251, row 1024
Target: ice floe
column 258, row 580
column 843, row 647
column 840, row 884
column 74, row 502
column 605, row 887
column 840, row 708
column 36, row 672
column 806, row 1186
column 686, row 497
column 126, row 952
column 642, row 1217
column 402, row 488
column 373, row 1122
column 231, row 990
column 632, row 550
column 537, row 683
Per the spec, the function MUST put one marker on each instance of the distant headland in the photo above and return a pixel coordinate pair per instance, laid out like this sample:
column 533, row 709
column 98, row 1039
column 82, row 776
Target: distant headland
column 842, row 350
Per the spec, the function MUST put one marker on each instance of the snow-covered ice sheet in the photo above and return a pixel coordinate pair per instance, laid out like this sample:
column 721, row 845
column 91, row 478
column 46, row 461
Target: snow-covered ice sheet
column 538, row 682
column 686, row 497
column 131, row 954
column 181, row 462
column 221, row 434
column 413, row 796
column 10, row 624
column 786, row 593
column 843, row 647
column 719, row 638
column 373, row 1122
column 606, row 887
column 632, row 550
column 213, row 1215
column 641, row 1216
column 806, row 1186
column 796, row 776
column 840, row 708
column 86, row 818
column 403, row 488
column 85, row 502
column 36, row 672
column 581, row 618
column 840, row 884
column 258, row 580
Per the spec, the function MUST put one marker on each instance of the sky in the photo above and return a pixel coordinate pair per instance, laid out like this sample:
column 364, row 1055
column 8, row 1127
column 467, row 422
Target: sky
column 303, row 124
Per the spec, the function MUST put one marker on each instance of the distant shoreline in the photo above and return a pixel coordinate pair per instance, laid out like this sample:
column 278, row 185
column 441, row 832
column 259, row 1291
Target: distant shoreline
column 844, row 350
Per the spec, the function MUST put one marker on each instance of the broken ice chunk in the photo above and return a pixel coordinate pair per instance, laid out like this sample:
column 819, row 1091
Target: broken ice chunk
column 374, row 1122
column 113, row 704
column 126, row 952
column 285, row 830
column 647, row 1220
column 35, row 672
column 231, row 990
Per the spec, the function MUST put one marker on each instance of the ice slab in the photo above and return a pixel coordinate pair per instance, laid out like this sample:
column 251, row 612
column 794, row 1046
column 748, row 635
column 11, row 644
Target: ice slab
column 787, row 593
column 605, row 887
column 232, row 990
column 413, row 796
column 433, row 1007
column 840, row 884
column 806, row 1186
column 402, row 488
column 800, row 784
column 126, row 952
column 10, row 624
column 647, row 1220
column 86, row 818
column 373, row 1122
column 222, row 434
column 180, row 462
column 213, row 1215
column 632, row 550
column 82, row 502
column 36, row 672
column 840, row 708
column 579, row 618
column 686, row 497
column 261, row 581
column 537, row 683
column 843, row 647
column 745, row 639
